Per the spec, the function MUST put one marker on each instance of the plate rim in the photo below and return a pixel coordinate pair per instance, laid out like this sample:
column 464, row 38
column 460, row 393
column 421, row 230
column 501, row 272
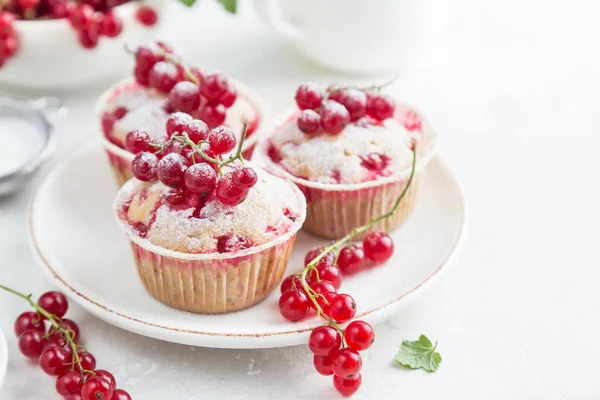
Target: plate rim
column 139, row 326
column 3, row 362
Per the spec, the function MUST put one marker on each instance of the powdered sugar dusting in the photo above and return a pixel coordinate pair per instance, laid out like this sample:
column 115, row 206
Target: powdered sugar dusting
column 339, row 158
column 260, row 218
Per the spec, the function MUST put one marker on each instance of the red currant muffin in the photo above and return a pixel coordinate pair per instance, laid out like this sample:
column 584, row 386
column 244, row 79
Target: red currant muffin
column 163, row 85
column 350, row 151
column 210, row 232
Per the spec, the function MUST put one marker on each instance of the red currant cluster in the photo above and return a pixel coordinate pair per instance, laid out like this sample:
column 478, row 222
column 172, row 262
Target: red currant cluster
column 190, row 161
column 206, row 96
column 9, row 40
column 45, row 335
column 332, row 110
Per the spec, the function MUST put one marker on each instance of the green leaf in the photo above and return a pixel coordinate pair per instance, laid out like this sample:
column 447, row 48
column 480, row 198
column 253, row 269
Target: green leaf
column 188, row 3
column 419, row 354
column 229, row 5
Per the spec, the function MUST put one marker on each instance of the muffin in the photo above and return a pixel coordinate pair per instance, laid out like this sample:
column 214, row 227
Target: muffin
column 208, row 237
column 350, row 151
column 162, row 85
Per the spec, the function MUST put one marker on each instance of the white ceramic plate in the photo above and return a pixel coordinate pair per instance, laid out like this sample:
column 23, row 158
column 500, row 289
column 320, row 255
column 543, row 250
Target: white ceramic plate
column 84, row 253
column 3, row 358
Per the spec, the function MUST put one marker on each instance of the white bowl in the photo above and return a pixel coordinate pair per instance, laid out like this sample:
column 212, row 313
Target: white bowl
column 51, row 57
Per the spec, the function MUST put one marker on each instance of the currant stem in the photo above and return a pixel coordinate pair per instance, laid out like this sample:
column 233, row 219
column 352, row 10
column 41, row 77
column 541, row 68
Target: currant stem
column 186, row 71
column 56, row 325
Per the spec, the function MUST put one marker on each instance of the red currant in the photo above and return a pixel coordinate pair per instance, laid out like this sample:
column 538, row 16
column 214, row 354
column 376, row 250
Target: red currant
column 228, row 193
column 54, row 303
column 185, row 96
column 325, row 301
column 146, row 15
column 29, row 320
column 291, row 282
column 163, row 76
column 213, row 115
column 378, row 246
column 293, row 305
column 359, row 335
column 147, row 56
column 141, row 75
column 323, row 364
column 171, row 169
column 335, row 91
column 81, row 16
column 412, row 121
column 328, row 258
column 245, row 177
column 342, row 308
column 222, row 140
column 381, row 107
column 88, row 36
column 323, row 286
column 137, row 141
column 120, row 394
column 69, row 382
column 175, row 196
column 347, row 386
column 71, row 327
column 31, row 343
column 144, row 166
column 200, row 178
column 110, row 25
column 351, row 259
column 375, row 161
column 214, row 86
column 107, row 376
column 334, row 117
column 97, row 389
column 9, row 46
column 7, row 20
column 347, row 363
column 60, row 9
column 56, row 341
column 323, row 339
column 331, row 273
column 177, row 123
column 197, row 130
column 309, row 96
column 309, row 121
column 230, row 96
column 76, row 395
column 88, row 361
column 55, row 361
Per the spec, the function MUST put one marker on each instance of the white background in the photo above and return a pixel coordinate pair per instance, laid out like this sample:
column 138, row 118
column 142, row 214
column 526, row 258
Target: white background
column 512, row 87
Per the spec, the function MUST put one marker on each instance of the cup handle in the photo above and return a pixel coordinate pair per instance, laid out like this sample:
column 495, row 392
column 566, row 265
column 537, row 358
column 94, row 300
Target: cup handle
column 269, row 11
column 51, row 107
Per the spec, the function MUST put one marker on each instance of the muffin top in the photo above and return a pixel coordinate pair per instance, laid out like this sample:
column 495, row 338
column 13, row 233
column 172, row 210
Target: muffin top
column 197, row 224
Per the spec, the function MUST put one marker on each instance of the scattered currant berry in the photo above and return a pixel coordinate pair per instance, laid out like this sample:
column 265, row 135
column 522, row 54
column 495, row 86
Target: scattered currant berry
column 69, row 382
column 342, row 308
column 171, row 168
column 185, row 97
column 29, row 320
column 110, row 25
column 137, row 141
column 177, row 123
column 351, row 259
column 200, row 178
column 31, row 343
column 144, row 166
column 381, row 107
column 54, row 303
column 347, row 386
column 213, row 115
column 328, row 258
column 228, row 193
column 88, row 361
column 378, row 246
column 120, row 394
column 334, row 117
column 197, row 130
column 309, row 121
column 245, row 177
column 146, row 15
column 323, row 339
column 355, row 102
column 96, row 389
column 214, row 86
column 222, row 140
column 347, row 363
column 107, row 376
column 323, row 364
column 55, row 361
column 163, row 76
column 293, row 305
column 309, row 96
column 359, row 335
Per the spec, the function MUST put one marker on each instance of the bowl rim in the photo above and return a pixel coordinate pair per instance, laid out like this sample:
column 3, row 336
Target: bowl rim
column 245, row 90
column 261, row 157
column 126, row 190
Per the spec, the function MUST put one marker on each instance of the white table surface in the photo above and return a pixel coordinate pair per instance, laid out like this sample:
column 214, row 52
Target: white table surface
column 512, row 89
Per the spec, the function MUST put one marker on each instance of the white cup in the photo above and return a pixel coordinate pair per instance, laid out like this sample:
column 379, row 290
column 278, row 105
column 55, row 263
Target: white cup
column 359, row 36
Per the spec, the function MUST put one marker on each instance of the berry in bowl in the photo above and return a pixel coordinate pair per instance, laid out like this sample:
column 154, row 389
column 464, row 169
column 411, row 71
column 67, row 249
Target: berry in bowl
column 350, row 151
column 210, row 233
column 54, row 44
column 165, row 92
